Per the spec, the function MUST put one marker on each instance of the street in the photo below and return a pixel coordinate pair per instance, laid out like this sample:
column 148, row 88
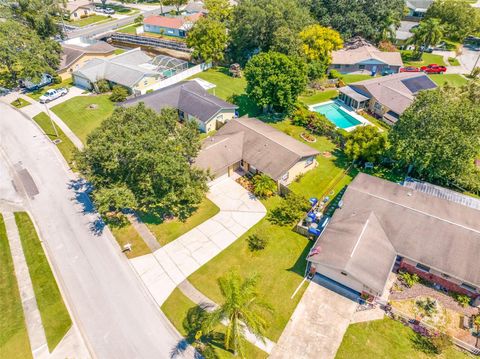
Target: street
column 112, row 309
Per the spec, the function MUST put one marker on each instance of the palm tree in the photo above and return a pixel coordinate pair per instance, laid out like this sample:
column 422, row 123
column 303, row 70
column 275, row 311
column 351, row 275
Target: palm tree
column 264, row 186
column 242, row 310
column 429, row 32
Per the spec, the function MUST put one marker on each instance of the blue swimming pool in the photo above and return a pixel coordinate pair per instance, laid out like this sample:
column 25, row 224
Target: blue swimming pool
column 336, row 115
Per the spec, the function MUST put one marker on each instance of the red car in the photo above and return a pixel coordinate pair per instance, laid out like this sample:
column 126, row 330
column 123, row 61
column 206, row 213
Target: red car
column 433, row 69
column 409, row 69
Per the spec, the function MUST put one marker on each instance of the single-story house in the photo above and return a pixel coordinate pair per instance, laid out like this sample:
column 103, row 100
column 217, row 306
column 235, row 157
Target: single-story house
column 77, row 9
column 193, row 103
column 417, row 9
column 388, row 96
column 404, row 31
column 253, row 146
column 133, row 69
column 76, row 52
column 359, row 56
column 380, row 223
column 172, row 26
column 195, row 7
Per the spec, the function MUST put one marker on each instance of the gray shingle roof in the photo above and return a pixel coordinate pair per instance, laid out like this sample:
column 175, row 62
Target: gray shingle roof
column 433, row 231
column 264, row 147
column 187, row 96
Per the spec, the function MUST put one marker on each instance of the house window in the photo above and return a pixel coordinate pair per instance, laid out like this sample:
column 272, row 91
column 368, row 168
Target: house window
column 285, row 177
column 337, row 66
column 469, row 287
column 423, row 268
column 75, row 14
column 377, row 106
column 309, row 161
column 361, row 67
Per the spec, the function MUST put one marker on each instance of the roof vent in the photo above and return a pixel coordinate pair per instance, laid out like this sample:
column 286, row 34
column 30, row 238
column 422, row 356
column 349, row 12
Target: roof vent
column 409, row 194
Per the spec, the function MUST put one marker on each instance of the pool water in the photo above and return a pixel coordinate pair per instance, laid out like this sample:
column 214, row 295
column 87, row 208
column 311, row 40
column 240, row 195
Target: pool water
column 336, row 115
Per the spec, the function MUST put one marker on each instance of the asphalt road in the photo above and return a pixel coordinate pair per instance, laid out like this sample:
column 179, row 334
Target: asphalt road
column 114, row 313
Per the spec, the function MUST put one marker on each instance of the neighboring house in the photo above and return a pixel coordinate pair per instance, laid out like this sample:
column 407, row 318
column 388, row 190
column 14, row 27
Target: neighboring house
column 380, row 223
column 134, row 69
column 193, row 103
column 172, row 26
column 417, row 9
column 195, row 7
column 78, row 9
column 404, row 31
column 359, row 56
column 253, row 146
column 387, row 97
column 76, row 52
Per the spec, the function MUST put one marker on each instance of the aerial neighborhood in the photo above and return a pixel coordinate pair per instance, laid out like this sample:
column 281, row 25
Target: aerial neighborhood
column 250, row 178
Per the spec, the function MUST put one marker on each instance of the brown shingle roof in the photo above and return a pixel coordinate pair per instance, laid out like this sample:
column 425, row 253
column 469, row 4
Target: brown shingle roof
column 438, row 233
column 364, row 53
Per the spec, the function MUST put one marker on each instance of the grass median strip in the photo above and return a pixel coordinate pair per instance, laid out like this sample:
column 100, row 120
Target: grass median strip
column 14, row 342
column 66, row 147
column 19, row 103
column 55, row 318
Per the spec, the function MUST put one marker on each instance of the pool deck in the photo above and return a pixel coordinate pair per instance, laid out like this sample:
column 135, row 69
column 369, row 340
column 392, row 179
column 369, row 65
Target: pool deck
column 348, row 110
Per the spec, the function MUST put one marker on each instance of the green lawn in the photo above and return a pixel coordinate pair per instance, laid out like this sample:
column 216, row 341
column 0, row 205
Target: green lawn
column 131, row 29
column 176, row 308
column 80, row 118
column 19, row 103
column 350, row 78
column 92, row 19
column 450, row 79
column 230, row 89
column 55, row 317
column 426, row 59
column 66, row 147
column 386, row 339
column 127, row 234
column 119, row 9
column 35, row 95
column 167, row 231
column 318, row 96
column 118, row 51
column 14, row 342
column 453, row 61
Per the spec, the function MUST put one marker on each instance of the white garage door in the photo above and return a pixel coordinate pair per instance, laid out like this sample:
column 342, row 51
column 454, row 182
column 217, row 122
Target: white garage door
column 340, row 278
column 81, row 82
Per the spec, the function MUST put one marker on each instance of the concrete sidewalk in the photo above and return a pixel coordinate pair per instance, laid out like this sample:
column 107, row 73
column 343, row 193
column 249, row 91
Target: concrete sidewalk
column 170, row 265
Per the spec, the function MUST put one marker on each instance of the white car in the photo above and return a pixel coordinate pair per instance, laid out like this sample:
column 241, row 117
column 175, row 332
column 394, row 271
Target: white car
column 52, row 94
column 98, row 9
column 109, row 11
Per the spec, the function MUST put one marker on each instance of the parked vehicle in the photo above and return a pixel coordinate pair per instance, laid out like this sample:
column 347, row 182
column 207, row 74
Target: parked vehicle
column 409, row 69
column 98, row 9
column 53, row 94
column 433, row 69
column 31, row 86
column 109, row 11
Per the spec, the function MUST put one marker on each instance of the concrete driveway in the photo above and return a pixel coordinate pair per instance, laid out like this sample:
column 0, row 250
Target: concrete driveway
column 167, row 267
column 317, row 326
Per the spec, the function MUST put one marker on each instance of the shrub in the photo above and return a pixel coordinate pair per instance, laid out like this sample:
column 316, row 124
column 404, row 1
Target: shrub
column 428, row 305
column 263, row 186
column 290, row 210
column 315, row 122
column 387, row 46
column 462, row 299
column 56, row 79
column 149, row 91
column 257, row 242
column 334, row 74
column 119, row 94
column 102, row 86
column 139, row 19
column 441, row 342
column 475, row 73
column 83, row 16
column 409, row 279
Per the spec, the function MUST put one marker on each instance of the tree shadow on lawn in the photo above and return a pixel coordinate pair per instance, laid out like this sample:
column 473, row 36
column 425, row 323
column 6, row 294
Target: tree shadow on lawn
column 246, row 106
column 301, row 262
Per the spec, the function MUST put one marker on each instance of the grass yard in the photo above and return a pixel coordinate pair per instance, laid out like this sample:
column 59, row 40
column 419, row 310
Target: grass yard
column 55, row 317
column 426, row 59
column 14, row 342
column 281, row 266
column 92, row 19
column 230, row 89
column 453, row 61
column 66, row 147
column 118, row 51
column 167, row 231
column 130, row 29
column 386, row 338
column 35, row 95
column 450, row 79
column 351, row 78
column 127, row 234
column 176, row 308
column 19, row 103
column 80, row 118
column 318, row 96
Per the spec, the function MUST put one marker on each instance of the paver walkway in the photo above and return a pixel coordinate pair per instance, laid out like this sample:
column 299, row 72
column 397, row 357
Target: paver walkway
column 36, row 332
column 317, row 325
column 170, row 265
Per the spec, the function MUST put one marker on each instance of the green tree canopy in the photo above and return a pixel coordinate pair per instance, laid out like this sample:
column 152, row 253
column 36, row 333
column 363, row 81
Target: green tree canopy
column 439, row 135
column 368, row 18
column 275, row 80
column 287, row 41
column 459, row 18
column 366, row 143
column 176, row 3
column 255, row 24
column 219, row 10
column 208, row 38
column 429, row 32
column 148, row 154
column 24, row 55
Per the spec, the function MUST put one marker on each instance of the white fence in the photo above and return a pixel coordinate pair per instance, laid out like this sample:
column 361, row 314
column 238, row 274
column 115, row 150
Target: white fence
column 179, row 77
